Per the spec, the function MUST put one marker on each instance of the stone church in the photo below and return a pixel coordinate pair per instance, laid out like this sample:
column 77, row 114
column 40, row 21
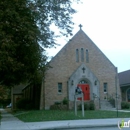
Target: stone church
column 80, row 63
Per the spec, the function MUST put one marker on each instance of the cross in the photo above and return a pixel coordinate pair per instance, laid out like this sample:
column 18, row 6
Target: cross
column 80, row 26
column 83, row 69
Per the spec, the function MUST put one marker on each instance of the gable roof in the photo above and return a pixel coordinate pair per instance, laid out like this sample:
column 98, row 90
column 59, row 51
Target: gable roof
column 18, row 88
column 71, row 40
column 124, row 78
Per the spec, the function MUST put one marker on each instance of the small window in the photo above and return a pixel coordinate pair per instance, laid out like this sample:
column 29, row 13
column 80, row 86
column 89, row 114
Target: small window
column 87, row 56
column 59, row 87
column 105, row 87
column 83, row 82
column 77, row 55
column 82, row 54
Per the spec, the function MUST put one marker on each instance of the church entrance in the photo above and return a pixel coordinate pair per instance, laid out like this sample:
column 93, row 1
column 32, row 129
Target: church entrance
column 85, row 89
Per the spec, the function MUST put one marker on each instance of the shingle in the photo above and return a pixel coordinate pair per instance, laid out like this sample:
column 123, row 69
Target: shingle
column 18, row 89
column 124, row 77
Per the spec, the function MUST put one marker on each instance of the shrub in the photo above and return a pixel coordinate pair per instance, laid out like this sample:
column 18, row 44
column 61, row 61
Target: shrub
column 65, row 101
column 24, row 104
column 4, row 102
column 112, row 102
column 57, row 103
column 91, row 106
column 58, row 107
column 87, row 106
column 125, row 105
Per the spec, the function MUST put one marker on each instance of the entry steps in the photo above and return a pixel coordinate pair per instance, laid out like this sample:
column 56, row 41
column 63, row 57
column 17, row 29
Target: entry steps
column 105, row 105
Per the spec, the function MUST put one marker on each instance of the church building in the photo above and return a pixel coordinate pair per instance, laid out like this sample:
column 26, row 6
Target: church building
column 80, row 63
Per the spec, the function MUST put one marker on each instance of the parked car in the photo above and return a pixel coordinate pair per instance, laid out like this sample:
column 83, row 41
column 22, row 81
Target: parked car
column 9, row 106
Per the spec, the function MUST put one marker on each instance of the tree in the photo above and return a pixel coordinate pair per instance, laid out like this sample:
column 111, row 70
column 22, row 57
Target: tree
column 25, row 33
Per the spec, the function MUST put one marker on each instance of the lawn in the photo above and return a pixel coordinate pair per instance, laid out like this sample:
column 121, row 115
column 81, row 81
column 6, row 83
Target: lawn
column 53, row 115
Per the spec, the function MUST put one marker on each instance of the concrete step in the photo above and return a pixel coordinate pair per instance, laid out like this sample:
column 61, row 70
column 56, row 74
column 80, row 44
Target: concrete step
column 105, row 105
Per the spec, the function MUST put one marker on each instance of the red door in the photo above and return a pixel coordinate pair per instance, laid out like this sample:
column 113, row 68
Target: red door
column 86, row 91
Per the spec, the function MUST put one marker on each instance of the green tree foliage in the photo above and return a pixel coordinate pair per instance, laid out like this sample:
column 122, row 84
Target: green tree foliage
column 25, row 33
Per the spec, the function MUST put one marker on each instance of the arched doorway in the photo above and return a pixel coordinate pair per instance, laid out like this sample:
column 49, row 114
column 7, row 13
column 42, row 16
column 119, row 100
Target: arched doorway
column 84, row 85
column 128, row 95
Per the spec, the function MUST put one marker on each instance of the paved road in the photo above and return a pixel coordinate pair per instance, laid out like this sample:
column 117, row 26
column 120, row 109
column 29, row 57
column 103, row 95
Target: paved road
column 101, row 128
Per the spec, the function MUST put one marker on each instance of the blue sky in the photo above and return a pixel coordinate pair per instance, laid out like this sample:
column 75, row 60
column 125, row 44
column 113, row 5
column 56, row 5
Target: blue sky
column 107, row 23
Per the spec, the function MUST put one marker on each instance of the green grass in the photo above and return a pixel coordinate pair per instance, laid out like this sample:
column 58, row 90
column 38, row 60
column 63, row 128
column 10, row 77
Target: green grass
column 54, row 115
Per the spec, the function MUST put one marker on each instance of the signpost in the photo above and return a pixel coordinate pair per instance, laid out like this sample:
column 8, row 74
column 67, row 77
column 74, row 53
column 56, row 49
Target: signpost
column 79, row 94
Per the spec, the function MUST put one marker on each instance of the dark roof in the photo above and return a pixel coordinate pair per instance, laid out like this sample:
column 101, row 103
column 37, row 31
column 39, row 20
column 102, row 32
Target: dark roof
column 124, row 78
column 18, row 89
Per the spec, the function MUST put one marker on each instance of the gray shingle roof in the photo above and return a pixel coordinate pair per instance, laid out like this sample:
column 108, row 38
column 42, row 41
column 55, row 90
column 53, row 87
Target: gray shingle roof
column 124, row 78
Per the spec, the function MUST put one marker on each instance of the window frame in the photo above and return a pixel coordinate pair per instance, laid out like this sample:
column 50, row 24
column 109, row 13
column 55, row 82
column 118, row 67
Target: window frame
column 105, row 87
column 77, row 55
column 82, row 55
column 87, row 56
column 60, row 90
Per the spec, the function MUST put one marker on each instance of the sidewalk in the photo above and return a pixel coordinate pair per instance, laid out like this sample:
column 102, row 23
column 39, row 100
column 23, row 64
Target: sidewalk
column 9, row 122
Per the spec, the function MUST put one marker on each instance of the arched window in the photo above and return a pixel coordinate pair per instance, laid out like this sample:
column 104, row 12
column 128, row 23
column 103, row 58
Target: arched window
column 87, row 56
column 82, row 54
column 77, row 55
column 105, row 85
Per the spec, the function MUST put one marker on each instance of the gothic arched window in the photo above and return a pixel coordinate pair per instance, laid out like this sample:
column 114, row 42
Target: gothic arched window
column 87, row 56
column 77, row 55
column 82, row 54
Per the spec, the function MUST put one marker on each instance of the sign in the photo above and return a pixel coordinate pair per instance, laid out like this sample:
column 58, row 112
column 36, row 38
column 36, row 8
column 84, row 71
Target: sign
column 75, row 100
column 123, row 124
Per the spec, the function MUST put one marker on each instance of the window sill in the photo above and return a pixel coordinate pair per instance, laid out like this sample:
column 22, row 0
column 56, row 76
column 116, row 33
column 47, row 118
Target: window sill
column 59, row 93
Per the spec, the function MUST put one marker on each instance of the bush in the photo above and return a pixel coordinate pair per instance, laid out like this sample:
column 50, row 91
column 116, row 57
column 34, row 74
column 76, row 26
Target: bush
column 24, row 104
column 91, row 106
column 57, row 103
column 125, row 105
column 87, row 106
column 65, row 101
column 58, row 107
column 4, row 102
column 112, row 102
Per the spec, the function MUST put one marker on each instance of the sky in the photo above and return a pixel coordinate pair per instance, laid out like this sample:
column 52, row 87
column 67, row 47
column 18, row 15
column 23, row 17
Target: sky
column 107, row 23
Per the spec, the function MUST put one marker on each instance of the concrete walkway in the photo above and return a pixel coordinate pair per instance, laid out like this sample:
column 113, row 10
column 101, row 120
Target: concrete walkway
column 9, row 122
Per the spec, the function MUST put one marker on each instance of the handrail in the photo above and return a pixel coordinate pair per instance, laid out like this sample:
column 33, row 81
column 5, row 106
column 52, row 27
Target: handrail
column 95, row 96
column 115, row 95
